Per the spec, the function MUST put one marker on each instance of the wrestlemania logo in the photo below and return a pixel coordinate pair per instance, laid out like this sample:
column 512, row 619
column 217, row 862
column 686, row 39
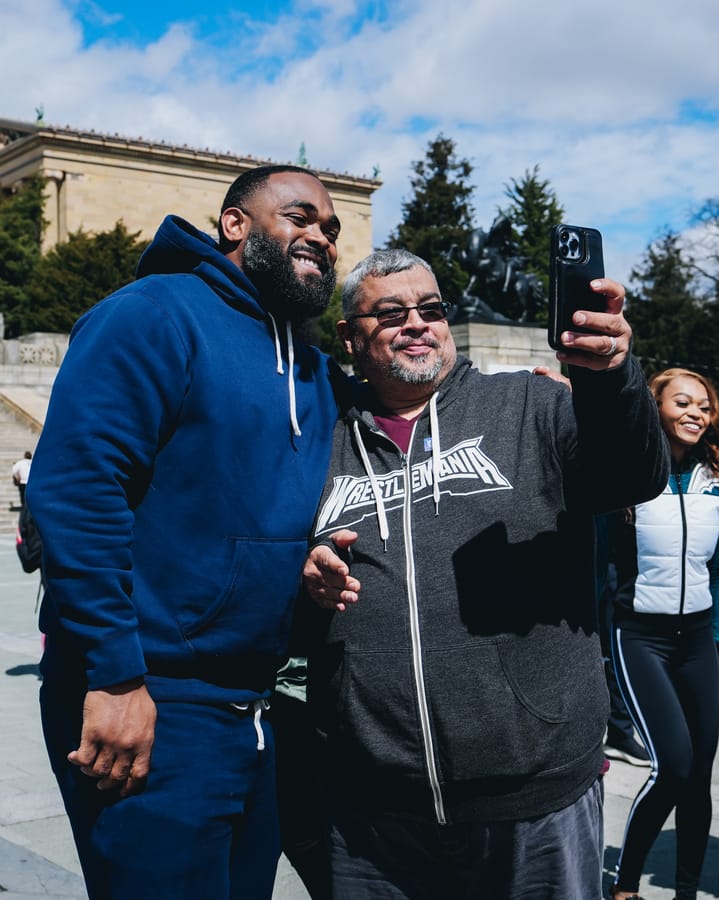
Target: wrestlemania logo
column 464, row 469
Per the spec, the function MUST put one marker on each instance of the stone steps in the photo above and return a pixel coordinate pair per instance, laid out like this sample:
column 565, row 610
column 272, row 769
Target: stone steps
column 16, row 436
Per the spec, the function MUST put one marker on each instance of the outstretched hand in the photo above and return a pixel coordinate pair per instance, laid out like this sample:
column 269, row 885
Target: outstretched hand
column 608, row 346
column 327, row 577
column 118, row 730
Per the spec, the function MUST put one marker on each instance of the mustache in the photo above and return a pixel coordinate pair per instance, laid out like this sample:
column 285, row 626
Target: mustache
column 426, row 341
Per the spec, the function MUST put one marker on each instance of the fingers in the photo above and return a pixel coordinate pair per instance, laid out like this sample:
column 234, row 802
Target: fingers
column 344, row 538
column 610, row 339
column 553, row 374
column 327, row 577
column 116, row 740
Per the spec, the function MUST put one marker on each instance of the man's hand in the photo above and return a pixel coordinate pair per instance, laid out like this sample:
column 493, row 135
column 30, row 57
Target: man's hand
column 327, row 578
column 118, row 729
column 608, row 347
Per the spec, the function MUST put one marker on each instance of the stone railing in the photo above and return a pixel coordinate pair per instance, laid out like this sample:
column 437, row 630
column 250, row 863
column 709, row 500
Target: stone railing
column 38, row 349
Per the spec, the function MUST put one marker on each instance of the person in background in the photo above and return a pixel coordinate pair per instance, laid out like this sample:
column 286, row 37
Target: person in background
column 667, row 556
column 620, row 742
column 21, row 473
column 170, row 587
column 456, row 673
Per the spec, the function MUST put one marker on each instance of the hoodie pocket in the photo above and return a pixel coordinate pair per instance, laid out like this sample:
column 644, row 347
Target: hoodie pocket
column 253, row 607
column 373, row 710
column 499, row 710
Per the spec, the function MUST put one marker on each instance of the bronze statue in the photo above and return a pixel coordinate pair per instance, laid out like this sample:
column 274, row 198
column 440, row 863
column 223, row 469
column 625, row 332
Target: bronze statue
column 496, row 271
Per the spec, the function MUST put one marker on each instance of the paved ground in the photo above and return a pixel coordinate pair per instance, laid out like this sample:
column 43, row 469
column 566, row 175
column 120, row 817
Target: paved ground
column 37, row 856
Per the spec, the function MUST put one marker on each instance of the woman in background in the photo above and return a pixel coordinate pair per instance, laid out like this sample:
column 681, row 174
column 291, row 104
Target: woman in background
column 663, row 647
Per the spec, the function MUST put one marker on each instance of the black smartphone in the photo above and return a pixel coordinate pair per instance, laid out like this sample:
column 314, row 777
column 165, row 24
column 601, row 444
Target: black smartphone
column 575, row 260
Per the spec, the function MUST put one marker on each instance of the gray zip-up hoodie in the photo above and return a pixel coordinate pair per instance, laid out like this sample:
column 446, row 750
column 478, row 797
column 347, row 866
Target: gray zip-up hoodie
column 467, row 682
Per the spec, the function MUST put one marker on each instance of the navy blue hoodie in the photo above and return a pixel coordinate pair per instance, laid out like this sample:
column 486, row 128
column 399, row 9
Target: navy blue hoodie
column 171, row 489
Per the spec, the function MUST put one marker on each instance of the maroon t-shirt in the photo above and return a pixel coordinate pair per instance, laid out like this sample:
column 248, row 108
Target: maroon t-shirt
column 398, row 429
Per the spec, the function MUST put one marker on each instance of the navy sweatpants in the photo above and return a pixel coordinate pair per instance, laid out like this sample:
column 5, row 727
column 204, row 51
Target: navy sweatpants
column 206, row 824
column 669, row 678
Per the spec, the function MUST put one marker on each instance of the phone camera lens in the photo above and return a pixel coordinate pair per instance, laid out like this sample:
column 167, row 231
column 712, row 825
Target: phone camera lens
column 564, row 236
column 574, row 246
column 563, row 250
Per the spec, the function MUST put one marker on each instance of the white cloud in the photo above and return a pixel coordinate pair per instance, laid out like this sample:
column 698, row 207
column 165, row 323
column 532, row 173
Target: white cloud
column 601, row 97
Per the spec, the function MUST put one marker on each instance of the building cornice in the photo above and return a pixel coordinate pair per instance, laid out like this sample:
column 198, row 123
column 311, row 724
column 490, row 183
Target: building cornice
column 21, row 137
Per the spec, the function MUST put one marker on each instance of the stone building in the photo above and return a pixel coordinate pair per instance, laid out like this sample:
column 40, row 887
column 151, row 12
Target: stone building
column 95, row 179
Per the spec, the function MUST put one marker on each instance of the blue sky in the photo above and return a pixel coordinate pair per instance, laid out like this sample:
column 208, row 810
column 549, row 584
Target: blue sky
column 618, row 103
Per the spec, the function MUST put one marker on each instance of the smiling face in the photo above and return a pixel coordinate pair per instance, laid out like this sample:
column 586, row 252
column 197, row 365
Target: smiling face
column 285, row 241
column 685, row 413
column 417, row 354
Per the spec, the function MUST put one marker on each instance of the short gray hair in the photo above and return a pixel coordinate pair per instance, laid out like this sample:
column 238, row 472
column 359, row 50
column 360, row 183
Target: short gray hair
column 377, row 265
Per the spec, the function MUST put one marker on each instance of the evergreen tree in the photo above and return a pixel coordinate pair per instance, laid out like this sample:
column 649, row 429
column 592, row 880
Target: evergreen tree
column 322, row 330
column 438, row 215
column 671, row 322
column 21, row 229
column 533, row 210
column 77, row 273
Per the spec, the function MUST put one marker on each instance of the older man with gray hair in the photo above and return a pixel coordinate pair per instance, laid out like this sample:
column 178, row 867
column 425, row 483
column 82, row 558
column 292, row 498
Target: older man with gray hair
column 458, row 679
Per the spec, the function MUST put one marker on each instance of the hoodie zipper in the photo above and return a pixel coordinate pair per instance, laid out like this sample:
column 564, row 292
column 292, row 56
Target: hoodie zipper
column 416, row 639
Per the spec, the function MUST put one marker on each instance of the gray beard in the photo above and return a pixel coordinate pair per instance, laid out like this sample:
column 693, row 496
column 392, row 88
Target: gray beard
column 422, row 373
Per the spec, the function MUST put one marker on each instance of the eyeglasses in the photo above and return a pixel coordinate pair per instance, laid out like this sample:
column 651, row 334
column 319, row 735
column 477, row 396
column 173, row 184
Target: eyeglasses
column 397, row 315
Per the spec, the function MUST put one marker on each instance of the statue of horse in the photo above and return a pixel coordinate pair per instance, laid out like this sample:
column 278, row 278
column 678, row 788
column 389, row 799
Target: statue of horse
column 497, row 272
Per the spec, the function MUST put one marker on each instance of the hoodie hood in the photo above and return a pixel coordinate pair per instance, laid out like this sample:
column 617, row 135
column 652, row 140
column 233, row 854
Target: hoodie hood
column 364, row 400
column 179, row 247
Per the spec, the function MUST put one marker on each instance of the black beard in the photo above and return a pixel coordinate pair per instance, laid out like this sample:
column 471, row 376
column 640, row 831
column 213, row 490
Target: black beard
column 282, row 292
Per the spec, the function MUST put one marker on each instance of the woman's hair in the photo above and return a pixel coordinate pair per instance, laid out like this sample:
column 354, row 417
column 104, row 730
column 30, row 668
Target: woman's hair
column 708, row 447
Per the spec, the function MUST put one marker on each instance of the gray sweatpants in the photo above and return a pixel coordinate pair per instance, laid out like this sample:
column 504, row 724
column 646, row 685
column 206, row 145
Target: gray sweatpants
column 554, row 857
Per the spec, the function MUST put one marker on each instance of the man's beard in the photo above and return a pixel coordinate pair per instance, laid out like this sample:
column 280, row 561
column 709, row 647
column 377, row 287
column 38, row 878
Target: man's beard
column 418, row 371
column 282, row 291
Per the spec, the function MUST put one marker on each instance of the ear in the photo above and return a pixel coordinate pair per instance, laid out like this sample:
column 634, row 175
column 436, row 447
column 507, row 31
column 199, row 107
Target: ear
column 234, row 224
column 343, row 333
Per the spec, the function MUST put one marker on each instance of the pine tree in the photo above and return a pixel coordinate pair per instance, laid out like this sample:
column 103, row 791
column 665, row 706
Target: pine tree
column 21, row 229
column 533, row 210
column 671, row 322
column 322, row 330
column 77, row 273
column 438, row 215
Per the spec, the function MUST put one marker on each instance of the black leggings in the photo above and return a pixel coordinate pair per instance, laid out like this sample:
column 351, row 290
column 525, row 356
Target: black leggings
column 670, row 683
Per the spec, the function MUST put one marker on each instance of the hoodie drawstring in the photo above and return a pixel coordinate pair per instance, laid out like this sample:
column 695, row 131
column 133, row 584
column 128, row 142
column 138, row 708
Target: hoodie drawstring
column 281, row 370
column 378, row 501
column 434, row 431
column 436, row 460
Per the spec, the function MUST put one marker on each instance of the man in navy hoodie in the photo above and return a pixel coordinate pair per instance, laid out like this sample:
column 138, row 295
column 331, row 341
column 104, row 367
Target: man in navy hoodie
column 461, row 692
column 170, row 584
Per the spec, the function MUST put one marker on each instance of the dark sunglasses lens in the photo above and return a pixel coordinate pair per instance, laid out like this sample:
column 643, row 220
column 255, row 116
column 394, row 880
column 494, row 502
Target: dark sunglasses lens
column 432, row 312
column 395, row 315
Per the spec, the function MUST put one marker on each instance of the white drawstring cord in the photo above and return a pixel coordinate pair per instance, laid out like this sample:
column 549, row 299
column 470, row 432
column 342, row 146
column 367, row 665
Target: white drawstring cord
column 257, row 706
column 278, row 346
column 378, row 501
column 281, row 371
column 434, row 430
column 291, row 360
